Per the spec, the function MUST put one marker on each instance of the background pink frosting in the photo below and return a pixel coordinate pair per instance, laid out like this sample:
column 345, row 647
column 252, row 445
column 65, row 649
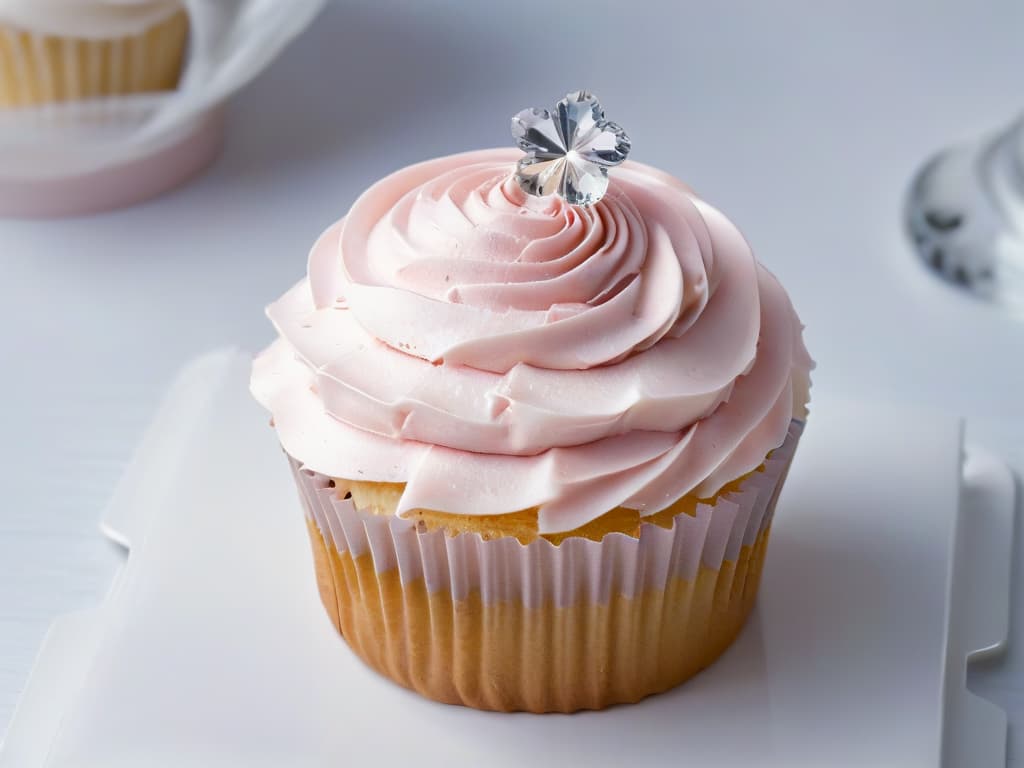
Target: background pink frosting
column 496, row 351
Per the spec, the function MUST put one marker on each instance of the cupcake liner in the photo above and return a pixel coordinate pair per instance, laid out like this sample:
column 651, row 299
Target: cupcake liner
column 44, row 69
column 497, row 624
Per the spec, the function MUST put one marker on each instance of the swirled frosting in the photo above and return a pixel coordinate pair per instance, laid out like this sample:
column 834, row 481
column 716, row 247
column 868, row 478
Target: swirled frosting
column 103, row 19
column 497, row 352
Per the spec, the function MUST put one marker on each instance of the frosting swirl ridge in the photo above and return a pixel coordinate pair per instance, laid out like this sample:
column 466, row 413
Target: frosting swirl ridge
column 497, row 351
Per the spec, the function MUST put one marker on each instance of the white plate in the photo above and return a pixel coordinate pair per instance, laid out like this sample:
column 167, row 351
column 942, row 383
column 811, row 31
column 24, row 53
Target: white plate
column 212, row 649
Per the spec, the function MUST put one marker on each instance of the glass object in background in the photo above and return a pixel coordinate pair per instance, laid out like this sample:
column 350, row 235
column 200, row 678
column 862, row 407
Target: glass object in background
column 965, row 213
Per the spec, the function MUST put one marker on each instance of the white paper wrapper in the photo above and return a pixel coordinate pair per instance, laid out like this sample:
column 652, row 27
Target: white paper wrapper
column 230, row 42
column 577, row 569
column 497, row 624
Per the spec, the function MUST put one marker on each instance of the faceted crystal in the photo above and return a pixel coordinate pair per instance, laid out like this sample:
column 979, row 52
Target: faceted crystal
column 569, row 152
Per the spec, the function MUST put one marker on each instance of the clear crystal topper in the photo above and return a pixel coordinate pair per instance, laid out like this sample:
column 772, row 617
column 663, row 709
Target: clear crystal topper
column 568, row 151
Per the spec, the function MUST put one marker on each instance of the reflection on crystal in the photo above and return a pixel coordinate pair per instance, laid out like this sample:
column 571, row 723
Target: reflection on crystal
column 569, row 152
column 579, row 183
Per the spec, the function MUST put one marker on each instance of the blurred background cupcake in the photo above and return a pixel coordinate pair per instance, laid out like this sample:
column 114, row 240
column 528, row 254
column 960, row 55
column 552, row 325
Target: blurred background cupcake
column 107, row 103
column 67, row 50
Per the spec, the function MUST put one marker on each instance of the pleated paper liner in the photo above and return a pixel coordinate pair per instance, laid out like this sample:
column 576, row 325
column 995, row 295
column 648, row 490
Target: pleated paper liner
column 499, row 625
column 40, row 69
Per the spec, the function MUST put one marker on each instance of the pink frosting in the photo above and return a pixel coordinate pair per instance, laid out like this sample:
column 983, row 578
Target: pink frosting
column 496, row 351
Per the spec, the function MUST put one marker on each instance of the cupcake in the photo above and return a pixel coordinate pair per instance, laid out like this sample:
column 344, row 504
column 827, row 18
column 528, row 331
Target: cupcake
column 67, row 50
column 539, row 416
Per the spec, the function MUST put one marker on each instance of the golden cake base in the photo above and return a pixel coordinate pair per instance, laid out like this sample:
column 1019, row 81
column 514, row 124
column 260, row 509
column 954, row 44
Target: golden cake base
column 508, row 657
column 38, row 69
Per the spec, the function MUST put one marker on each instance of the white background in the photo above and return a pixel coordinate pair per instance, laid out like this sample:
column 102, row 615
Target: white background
column 803, row 121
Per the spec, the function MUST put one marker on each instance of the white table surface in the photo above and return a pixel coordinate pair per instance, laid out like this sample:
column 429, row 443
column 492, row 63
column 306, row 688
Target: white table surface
column 803, row 121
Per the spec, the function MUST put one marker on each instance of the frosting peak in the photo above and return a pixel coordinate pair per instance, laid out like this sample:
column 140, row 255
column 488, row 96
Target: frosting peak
column 497, row 351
